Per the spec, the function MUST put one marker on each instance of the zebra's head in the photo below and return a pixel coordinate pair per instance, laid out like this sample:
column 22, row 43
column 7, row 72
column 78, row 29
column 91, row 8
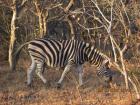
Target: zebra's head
column 101, row 61
column 104, row 71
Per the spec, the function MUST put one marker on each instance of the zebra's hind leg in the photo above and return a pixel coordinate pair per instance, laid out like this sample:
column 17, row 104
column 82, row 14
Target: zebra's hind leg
column 30, row 72
column 39, row 71
column 79, row 69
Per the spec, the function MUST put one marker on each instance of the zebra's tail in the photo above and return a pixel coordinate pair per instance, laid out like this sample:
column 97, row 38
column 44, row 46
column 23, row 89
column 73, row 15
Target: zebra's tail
column 16, row 56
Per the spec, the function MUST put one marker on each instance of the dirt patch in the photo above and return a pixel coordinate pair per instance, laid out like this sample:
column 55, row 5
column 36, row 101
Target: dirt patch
column 13, row 89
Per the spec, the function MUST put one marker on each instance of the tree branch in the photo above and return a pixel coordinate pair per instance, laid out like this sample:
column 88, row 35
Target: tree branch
column 95, row 3
column 21, row 8
column 69, row 6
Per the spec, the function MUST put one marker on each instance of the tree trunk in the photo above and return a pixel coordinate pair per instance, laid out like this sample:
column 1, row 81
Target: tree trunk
column 124, row 70
column 71, row 28
column 44, row 18
column 41, row 29
column 44, row 26
column 114, row 50
column 12, row 36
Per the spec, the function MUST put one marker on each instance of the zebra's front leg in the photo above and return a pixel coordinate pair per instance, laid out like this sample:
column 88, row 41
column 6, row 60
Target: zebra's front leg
column 66, row 70
column 106, row 76
column 39, row 72
column 30, row 73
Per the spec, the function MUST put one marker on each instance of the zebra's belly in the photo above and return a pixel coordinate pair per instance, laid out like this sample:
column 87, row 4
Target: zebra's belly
column 56, row 65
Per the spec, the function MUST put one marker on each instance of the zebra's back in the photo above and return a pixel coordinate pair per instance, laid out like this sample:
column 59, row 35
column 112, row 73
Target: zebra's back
column 46, row 51
column 56, row 53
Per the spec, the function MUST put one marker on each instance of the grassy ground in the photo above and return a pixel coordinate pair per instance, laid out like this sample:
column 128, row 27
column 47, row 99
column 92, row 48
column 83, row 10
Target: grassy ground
column 13, row 89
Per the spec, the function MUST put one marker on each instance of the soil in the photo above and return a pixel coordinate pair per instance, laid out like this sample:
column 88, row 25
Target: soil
column 14, row 91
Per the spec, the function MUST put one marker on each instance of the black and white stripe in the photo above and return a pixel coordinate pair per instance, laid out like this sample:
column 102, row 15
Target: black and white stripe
column 65, row 53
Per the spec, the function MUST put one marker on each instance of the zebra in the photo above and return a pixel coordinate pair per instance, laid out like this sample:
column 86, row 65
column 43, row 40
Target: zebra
column 64, row 53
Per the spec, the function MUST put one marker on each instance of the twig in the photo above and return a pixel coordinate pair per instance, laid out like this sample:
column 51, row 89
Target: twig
column 71, row 28
column 69, row 6
column 95, row 3
column 125, row 12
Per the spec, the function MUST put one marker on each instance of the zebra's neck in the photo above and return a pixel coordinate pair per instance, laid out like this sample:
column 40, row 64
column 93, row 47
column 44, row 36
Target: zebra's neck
column 96, row 57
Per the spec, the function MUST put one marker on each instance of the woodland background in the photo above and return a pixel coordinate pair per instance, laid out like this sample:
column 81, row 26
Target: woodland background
column 113, row 26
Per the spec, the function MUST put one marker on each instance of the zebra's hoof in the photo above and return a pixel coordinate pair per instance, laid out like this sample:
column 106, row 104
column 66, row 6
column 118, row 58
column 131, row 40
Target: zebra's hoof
column 58, row 86
column 29, row 85
column 106, row 85
column 48, row 84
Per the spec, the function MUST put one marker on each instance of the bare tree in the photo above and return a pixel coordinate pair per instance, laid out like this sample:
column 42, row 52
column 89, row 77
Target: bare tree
column 42, row 14
column 107, row 21
column 114, row 44
column 13, row 30
column 13, row 36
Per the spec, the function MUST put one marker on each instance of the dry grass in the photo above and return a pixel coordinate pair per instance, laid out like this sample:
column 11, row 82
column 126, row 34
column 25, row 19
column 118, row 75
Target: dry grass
column 13, row 89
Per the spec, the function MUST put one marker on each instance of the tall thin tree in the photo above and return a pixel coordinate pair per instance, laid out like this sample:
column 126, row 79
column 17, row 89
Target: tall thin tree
column 12, row 34
column 16, row 9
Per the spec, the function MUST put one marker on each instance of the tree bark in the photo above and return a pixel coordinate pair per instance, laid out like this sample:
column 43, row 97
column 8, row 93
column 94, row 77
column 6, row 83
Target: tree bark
column 41, row 31
column 42, row 15
column 44, row 25
column 66, row 9
column 12, row 35
column 69, row 5
column 71, row 28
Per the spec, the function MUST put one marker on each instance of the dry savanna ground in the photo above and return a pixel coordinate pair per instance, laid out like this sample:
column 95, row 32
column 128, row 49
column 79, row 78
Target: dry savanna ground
column 13, row 89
